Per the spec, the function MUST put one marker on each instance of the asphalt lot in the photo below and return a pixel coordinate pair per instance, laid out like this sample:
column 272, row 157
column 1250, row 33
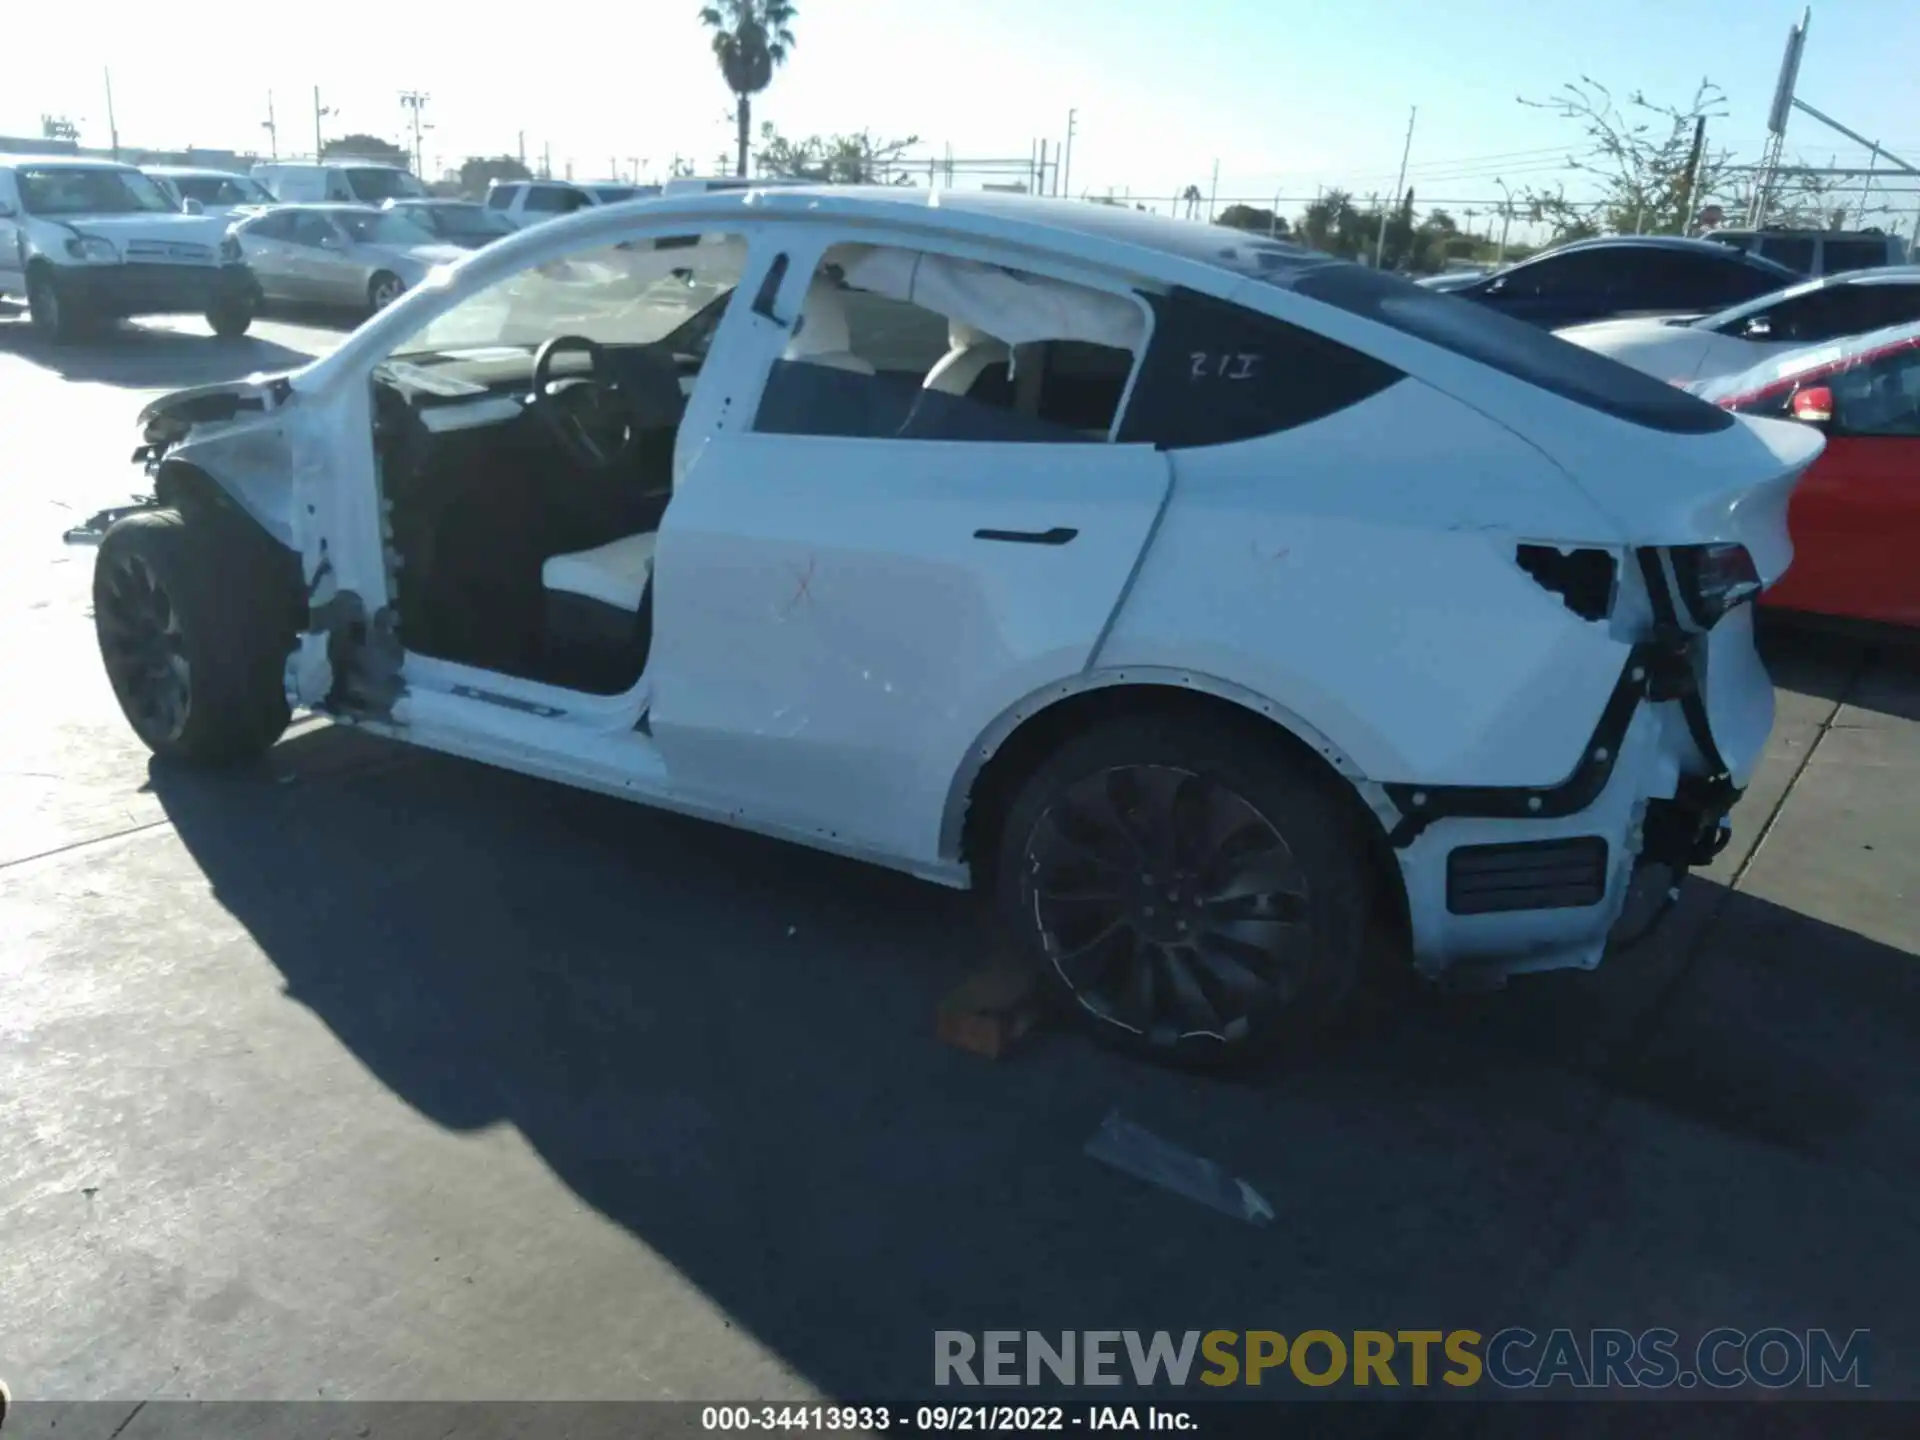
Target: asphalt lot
column 378, row 1075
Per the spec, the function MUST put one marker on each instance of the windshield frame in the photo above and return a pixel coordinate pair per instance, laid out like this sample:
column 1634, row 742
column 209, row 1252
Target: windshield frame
column 131, row 181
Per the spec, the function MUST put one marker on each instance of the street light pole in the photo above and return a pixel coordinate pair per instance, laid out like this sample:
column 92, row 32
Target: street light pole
column 113, row 130
column 319, row 145
column 1066, row 159
column 1506, row 220
column 1399, row 187
column 415, row 101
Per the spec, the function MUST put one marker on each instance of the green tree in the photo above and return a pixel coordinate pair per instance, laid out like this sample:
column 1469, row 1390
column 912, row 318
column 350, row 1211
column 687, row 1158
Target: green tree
column 751, row 39
column 856, row 159
column 477, row 172
column 1252, row 217
column 367, row 147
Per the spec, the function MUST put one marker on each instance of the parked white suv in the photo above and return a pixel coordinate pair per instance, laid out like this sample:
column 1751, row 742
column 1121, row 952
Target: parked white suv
column 210, row 192
column 349, row 182
column 88, row 241
column 528, row 202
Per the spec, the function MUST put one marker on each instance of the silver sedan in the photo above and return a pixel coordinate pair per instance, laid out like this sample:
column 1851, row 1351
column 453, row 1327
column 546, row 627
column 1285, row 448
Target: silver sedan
column 346, row 255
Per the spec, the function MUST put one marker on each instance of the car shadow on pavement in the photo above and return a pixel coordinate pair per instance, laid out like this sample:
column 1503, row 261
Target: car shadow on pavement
column 143, row 358
column 724, row 1044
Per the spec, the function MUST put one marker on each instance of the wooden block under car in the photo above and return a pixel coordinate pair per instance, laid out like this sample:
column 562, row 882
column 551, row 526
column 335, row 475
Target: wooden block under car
column 989, row 1011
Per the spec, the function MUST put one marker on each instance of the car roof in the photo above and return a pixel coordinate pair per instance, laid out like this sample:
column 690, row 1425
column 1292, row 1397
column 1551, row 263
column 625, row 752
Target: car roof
column 195, row 172
column 62, row 162
column 1235, row 251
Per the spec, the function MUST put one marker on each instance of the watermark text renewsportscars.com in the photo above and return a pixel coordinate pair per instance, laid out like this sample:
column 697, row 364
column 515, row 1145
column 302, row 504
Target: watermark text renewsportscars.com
column 1514, row 1358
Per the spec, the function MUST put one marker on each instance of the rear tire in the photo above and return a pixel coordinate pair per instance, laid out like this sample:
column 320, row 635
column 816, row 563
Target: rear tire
column 195, row 621
column 383, row 290
column 1189, row 893
column 231, row 318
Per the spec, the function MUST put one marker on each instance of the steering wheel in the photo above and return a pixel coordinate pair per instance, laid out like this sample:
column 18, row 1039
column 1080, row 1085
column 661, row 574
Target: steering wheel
column 589, row 414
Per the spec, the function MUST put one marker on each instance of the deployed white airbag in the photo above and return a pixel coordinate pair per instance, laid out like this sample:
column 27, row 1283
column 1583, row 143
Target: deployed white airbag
column 1017, row 308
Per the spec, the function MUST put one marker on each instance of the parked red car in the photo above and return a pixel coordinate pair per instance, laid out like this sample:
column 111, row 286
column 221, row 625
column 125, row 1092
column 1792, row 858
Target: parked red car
column 1855, row 515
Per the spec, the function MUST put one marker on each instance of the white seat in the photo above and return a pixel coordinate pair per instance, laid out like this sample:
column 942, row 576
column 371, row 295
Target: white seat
column 823, row 337
column 615, row 574
column 974, row 352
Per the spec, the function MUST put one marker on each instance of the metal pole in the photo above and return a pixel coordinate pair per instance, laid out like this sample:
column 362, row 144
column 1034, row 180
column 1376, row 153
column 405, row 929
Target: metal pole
column 273, row 131
column 317, row 113
column 1042, row 189
column 1400, row 185
column 113, row 130
column 1695, row 158
column 1867, row 184
column 1213, row 192
column 1066, row 161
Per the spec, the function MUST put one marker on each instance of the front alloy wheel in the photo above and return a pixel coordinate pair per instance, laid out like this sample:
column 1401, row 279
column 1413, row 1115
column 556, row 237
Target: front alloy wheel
column 144, row 649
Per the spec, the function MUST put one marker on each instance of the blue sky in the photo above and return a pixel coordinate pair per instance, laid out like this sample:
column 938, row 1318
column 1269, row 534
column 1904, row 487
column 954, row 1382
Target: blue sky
column 1286, row 95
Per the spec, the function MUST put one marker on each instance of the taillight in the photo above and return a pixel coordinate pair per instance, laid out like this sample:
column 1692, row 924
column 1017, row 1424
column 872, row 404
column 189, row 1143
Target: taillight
column 1712, row 579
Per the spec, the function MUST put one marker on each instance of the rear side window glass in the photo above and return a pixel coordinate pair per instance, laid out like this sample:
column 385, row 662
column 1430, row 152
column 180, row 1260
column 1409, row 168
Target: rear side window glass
column 545, row 198
column 1795, row 252
column 500, row 197
column 1854, row 255
column 1513, row 347
column 1217, row 372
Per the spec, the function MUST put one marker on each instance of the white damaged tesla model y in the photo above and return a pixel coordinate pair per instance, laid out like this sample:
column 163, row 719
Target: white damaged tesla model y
column 1233, row 616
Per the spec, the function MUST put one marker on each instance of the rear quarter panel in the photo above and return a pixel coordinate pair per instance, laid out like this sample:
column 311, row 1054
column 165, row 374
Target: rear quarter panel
column 1359, row 572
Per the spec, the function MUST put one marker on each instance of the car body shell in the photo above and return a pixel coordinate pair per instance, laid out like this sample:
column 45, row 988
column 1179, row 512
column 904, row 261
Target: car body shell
column 1682, row 350
column 148, row 262
column 220, row 194
column 1855, row 517
column 319, row 260
column 1351, row 582
column 1623, row 275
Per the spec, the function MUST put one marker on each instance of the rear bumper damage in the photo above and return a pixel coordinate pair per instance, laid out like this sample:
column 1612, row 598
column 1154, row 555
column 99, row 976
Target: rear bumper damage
column 1504, row 881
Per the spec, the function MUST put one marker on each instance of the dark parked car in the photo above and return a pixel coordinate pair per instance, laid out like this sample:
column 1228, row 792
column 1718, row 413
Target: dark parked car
column 1625, row 275
column 455, row 222
column 1818, row 252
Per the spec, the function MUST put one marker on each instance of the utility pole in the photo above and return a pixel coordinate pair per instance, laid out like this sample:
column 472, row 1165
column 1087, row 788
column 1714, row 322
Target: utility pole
column 1692, row 183
column 1066, row 158
column 113, row 131
column 523, row 149
column 1506, row 220
column 1400, row 185
column 546, row 161
column 273, row 130
column 1213, row 192
column 1873, row 158
column 414, row 101
column 636, row 161
column 319, row 145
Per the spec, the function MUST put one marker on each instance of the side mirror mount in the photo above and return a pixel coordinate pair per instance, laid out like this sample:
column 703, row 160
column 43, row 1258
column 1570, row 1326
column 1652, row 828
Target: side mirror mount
column 1813, row 405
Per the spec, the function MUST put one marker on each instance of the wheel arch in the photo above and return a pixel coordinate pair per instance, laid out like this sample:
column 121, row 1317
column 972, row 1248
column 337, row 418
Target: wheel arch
column 179, row 482
column 1022, row 738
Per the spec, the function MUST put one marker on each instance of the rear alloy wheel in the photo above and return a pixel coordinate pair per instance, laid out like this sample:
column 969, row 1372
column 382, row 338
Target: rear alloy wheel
column 1186, row 892
column 195, row 618
column 383, row 290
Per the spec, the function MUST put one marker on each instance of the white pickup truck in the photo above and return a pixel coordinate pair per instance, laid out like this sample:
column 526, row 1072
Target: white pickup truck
column 86, row 242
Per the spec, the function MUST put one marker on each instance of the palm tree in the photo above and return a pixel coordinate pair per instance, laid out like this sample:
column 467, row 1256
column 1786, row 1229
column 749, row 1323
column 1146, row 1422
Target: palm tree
column 750, row 39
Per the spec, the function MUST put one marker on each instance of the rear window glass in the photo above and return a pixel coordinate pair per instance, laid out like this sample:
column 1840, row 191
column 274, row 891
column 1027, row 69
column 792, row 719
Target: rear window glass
column 1510, row 346
column 1793, row 251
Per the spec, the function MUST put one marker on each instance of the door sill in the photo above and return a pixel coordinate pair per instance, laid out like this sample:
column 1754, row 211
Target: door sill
column 528, row 697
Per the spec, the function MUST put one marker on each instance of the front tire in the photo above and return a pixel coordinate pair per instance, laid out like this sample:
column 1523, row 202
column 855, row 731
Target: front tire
column 1188, row 892
column 383, row 290
column 194, row 628
column 53, row 315
column 231, row 318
